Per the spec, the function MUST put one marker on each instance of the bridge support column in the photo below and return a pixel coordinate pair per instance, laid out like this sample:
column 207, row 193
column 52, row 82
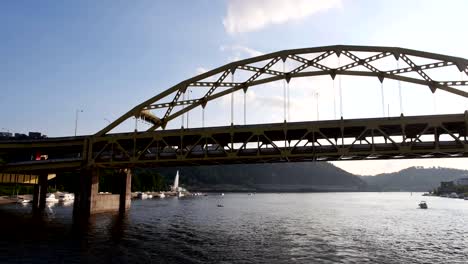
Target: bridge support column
column 85, row 198
column 40, row 192
column 89, row 201
column 125, row 191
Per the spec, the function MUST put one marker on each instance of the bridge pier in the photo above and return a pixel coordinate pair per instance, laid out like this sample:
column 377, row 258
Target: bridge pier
column 40, row 192
column 125, row 190
column 89, row 201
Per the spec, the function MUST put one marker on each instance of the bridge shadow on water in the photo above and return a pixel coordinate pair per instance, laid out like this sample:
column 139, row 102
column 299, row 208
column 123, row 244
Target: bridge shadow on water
column 54, row 236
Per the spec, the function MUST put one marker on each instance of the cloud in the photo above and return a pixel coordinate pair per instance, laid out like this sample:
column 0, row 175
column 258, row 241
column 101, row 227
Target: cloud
column 252, row 15
column 239, row 48
column 239, row 52
column 200, row 70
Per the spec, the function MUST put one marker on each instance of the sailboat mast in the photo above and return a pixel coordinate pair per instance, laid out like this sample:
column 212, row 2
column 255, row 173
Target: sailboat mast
column 176, row 181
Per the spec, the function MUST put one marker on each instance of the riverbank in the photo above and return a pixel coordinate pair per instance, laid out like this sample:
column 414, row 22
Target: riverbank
column 6, row 200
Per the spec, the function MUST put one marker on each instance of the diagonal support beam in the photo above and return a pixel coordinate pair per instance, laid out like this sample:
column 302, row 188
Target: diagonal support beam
column 314, row 62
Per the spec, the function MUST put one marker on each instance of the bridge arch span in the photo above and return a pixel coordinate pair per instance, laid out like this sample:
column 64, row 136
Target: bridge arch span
column 309, row 62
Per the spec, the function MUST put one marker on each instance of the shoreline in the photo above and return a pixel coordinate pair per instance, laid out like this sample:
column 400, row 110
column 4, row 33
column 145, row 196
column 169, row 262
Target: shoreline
column 6, row 200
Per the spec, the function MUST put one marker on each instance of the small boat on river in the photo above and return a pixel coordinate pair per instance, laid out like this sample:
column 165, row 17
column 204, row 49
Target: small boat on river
column 66, row 197
column 142, row 195
column 423, row 205
column 23, row 200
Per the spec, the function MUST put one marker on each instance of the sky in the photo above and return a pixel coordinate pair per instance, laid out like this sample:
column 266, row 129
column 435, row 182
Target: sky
column 104, row 57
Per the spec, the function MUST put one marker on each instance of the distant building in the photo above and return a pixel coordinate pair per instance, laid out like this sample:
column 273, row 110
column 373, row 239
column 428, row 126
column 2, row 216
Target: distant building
column 20, row 136
column 447, row 187
column 35, row 135
column 6, row 134
column 461, row 182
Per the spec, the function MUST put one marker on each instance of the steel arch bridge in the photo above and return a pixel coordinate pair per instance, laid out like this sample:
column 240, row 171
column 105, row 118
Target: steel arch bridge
column 308, row 67
column 401, row 137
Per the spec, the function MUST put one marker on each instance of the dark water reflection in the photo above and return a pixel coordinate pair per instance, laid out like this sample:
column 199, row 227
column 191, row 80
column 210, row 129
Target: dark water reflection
column 264, row 228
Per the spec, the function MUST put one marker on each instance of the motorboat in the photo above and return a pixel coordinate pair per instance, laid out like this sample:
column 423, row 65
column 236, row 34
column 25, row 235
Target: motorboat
column 142, row 196
column 22, row 200
column 50, row 198
column 162, row 195
column 423, row 205
column 180, row 194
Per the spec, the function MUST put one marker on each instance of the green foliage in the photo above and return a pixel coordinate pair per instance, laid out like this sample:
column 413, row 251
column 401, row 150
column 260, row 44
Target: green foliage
column 18, row 189
column 66, row 182
column 148, row 180
column 254, row 176
column 233, row 177
column 461, row 189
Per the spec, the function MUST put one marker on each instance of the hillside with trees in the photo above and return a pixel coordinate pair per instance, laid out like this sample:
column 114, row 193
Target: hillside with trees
column 291, row 177
column 413, row 179
column 318, row 176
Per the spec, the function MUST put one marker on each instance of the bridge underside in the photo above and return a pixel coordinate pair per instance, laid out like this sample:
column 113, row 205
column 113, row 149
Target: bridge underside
column 22, row 178
column 360, row 139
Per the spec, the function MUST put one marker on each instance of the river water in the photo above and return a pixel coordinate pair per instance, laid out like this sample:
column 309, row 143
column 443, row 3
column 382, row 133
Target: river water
column 262, row 228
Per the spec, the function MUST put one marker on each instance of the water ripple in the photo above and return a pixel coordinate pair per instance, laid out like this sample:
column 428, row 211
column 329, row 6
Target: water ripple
column 265, row 228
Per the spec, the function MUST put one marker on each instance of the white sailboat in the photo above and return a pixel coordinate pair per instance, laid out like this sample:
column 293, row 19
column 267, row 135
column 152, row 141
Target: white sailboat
column 175, row 187
column 50, row 198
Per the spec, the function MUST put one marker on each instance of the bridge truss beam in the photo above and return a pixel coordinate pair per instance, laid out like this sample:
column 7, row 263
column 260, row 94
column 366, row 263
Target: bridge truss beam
column 360, row 139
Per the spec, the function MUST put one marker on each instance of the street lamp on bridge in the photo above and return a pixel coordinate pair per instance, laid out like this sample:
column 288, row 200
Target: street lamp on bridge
column 76, row 119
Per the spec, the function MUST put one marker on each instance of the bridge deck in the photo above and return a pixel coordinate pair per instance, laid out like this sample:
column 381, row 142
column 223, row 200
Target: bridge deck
column 354, row 139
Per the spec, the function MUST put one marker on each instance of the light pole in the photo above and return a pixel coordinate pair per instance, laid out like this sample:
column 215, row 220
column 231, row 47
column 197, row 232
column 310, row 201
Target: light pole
column 317, row 96
column 76, row 119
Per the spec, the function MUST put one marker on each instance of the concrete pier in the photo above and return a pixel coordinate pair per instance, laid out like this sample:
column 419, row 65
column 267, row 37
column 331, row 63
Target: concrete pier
column 40, row 192
column 89, row 201
column 125, row 190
